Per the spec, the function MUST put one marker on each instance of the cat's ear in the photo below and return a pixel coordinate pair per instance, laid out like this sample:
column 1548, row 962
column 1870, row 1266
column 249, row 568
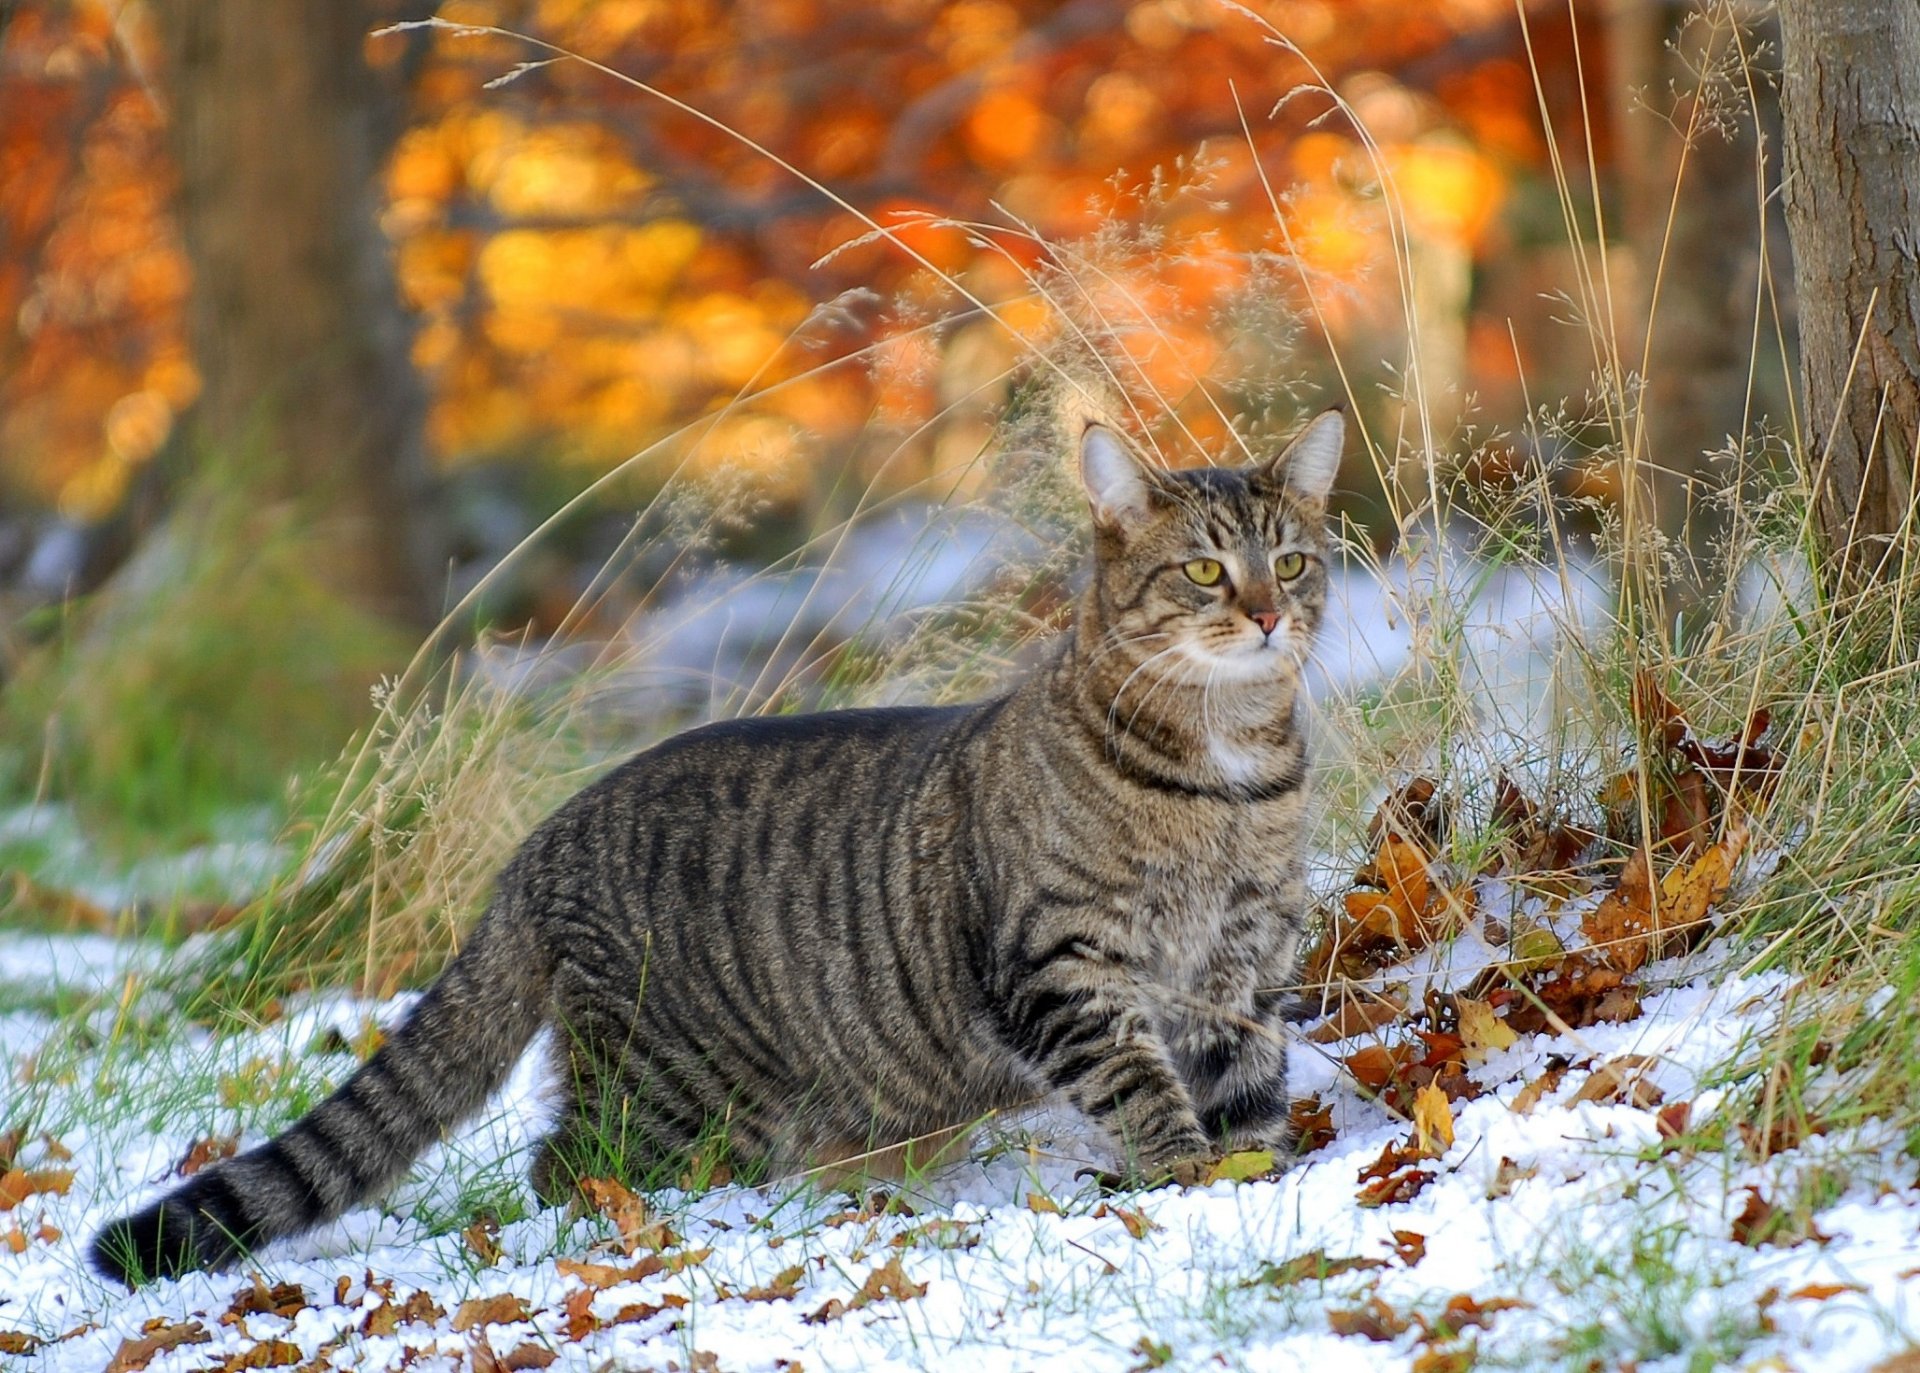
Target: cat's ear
column 1119, row 486
column 1308, row 465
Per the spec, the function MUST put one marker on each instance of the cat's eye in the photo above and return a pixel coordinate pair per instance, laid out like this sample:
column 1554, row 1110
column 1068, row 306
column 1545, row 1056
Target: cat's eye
column 1287, row 566
column 1204, row 571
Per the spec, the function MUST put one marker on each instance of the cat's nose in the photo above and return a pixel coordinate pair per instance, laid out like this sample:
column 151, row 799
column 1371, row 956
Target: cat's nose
column 1266, row 619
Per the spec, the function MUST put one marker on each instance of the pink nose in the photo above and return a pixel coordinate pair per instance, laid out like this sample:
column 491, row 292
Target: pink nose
column 1266, row 619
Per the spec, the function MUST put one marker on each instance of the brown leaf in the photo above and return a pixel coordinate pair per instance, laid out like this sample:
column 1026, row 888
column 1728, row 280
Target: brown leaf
column 581, row 1322
column 1401, row 1186
column 1313, row 1266
column 599, row 1275
column 784, row 1287
column 1357, row 1011
column 646, row 1311
column 1409, row 1246
column 1311, row 1123
column 19, row 1342
column 629, row 1214
column 1394, row 1155
column 389, row 1316
column 1673, row 1119
column 1443, row 1361
column 1413, row 813
column 1822, row 1291
column 1374, row 1319
column 266, row 1354
column 1137, row 1223
column 1377, row 1065
column 1534, row 1092
column 1757, row 1222
column 1621, row 927
column 285, row 1299
column 209, row 1150
column 156, row 1336
column 17, row 1184
column 503, row 1308
column 1042, row 1204
column 888, row 1282
column 1463, row 1313
column 1622, row 1080
column 483, row 1238
column 1505, row 1174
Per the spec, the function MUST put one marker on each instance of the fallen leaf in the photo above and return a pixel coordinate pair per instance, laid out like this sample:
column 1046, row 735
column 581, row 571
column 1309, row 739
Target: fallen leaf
column 630, row 1216
column 274, row 1353
column 156, row 1336
column 1398, row 1187
column 1757, row 1222
column 1409, row 1246
column 1481, row 1031
column 1505, row 1174
column 1242, row 1166
column 1394, row 1155
column 784, row 1287
column 888, row 1282
column 1432, row 1122
column 209, row 1150
column 1357, row 1011
column 1374, row 1320
column 1153, row 1354
column 19, row 1342
column 1412, row 812
column 1531, row 948
column 1443, row 1361
column 17, row 1184
column 1463, row 1313
column 1673, row 1119
column 503, row 1308
column 1313, row 1266
column 1311, row 1124
column 1377, row 1065
column 578, row 1309
column 287, row 1299
column 1535, row 1091
column 523, row 1356
column 1821, row 1291
column 483, row 1238
column 1137, row 1223
column 1622, row 1080
column 1621, row 927
column 1042, row 1204
column 419, row 1308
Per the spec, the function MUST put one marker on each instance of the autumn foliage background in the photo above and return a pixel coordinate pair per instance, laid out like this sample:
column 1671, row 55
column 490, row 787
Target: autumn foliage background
column 822, row 255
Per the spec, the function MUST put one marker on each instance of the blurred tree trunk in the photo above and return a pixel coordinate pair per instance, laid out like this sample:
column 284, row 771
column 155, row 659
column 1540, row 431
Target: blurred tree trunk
column 1695, row 248
column 1852, row 103
column 297, row 329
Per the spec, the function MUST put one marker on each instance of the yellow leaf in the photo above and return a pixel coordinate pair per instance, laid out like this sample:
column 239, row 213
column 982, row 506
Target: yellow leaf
column 1042, row 1204
column 1244, row 1166
column 1432, row 1121
column 1481, row 1030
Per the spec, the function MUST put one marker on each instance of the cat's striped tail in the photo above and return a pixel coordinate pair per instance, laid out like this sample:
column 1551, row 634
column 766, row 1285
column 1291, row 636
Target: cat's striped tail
column 450, row 1055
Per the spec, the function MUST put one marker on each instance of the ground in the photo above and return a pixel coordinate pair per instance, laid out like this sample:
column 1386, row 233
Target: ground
column 1572, row 1222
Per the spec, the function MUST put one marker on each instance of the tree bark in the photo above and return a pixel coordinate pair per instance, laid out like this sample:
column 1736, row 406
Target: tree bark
column 1701, row 245
column 297, row 329
column 1851, row 98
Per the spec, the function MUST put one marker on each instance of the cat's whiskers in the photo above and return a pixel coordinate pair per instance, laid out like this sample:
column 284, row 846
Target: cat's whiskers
column 1113, row 708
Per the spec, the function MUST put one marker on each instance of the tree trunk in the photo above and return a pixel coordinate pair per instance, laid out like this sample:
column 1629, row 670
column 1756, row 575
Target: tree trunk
column 1701, row 245
column 1852, row 104
column 296, row 325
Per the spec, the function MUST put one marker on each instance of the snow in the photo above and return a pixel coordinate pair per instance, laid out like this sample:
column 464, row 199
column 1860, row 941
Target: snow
column 1612, row 1245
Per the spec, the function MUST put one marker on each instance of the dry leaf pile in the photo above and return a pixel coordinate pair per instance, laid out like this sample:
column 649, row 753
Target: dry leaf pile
column 1584, row 911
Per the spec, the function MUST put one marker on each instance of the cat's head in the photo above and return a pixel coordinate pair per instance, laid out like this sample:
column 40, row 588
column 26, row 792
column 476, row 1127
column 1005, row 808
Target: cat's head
column 1218, row 574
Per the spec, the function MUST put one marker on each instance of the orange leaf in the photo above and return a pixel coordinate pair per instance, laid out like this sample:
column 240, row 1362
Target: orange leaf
column 17, row 1184
column 1821, row 1291
column 156, row 1337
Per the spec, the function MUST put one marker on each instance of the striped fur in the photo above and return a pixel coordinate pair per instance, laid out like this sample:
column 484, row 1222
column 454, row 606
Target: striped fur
column 801, row 936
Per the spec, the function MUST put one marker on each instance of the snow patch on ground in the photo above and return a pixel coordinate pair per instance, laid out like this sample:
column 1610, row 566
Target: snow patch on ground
column 1614, row 1246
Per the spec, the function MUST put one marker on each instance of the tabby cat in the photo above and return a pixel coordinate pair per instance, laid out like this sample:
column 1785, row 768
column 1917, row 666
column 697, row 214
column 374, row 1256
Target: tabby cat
column 806, row 934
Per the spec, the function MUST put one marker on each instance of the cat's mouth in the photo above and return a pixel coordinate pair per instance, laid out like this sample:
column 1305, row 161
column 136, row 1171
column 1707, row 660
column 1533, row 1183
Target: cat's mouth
column 1248, row 655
